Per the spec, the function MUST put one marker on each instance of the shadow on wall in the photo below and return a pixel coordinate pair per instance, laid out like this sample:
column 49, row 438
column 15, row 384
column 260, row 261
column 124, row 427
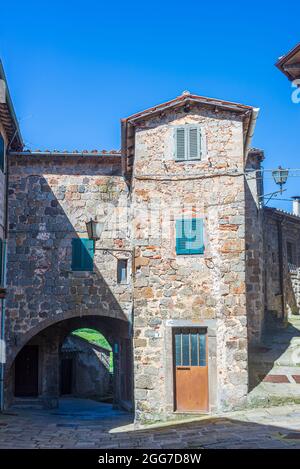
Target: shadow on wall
column 85, row 370
column 49, row 201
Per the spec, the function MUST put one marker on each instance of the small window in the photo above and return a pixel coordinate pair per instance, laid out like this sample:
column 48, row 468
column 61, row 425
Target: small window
column 189, row 236
column 122, row 271
column 82, row 254
column 290, row 252
column 188, row 143
column 2, row 153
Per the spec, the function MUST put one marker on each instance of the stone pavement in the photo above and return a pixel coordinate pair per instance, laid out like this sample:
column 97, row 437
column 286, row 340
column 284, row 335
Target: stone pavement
column 81, row 423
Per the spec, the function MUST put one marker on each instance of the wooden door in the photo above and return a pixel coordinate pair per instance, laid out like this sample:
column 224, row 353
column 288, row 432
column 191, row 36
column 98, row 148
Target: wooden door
column 66, row 376
column 190, row 369
column 26, row 372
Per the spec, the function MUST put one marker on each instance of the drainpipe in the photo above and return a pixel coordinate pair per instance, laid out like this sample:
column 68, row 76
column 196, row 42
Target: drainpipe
column 3, row 300
column 4, row 271
column 280, row 259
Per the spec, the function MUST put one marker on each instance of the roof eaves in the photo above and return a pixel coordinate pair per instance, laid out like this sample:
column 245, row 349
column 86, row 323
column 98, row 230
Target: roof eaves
column 184, row 99
column 282, row 213
column 83, row 153
column 9, row 105
column 285, row 58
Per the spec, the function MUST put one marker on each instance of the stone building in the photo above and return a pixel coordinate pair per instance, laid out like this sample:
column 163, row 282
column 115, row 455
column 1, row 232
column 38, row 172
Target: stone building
column 57, row 281
column 10, row 139
column 179, row 280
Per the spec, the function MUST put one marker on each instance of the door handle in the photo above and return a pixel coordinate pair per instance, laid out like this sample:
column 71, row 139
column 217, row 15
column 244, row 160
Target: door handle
column 183, row 368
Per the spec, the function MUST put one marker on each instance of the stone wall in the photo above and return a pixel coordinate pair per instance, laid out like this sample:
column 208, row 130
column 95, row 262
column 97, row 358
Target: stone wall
column 282, row 277
column 254, row 234
column 189, row 289
column 50, row 199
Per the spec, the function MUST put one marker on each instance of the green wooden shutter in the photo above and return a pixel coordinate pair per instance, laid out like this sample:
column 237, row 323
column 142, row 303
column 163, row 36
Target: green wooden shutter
column 2, row 153
column 180, row 144
column 196, row 241
column 181, row 247
column 189, row 236
column 82, row 254
column 76, row 254
column 194, row 143
column 87, row 254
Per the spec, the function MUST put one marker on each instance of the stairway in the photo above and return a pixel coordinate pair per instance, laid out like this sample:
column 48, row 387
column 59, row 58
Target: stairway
column 274, row 366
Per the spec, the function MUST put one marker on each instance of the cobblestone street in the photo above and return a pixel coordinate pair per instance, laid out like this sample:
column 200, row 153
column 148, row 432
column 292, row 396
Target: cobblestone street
column 87, row 424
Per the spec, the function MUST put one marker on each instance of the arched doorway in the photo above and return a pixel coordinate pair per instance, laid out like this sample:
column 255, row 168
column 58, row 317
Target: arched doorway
column 87, row 357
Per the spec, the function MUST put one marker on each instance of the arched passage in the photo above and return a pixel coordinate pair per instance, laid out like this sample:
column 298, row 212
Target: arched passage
column 86, row 366
column 41, row 358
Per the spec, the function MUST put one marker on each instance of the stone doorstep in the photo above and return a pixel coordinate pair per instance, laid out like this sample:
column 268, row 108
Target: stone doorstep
column 140, row 426
column 246, row 415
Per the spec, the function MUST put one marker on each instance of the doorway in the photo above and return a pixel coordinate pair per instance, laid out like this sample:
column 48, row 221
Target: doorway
column 26, row 372
column 190, row 369
column 66, row 377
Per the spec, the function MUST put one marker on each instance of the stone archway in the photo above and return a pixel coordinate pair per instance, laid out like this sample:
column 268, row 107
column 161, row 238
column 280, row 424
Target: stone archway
column 48, row 342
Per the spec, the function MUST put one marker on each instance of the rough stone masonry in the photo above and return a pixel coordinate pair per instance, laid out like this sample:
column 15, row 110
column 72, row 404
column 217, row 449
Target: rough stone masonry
column 141, row 193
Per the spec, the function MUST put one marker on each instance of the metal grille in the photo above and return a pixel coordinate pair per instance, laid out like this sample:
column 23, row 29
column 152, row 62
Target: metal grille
column 190, row 347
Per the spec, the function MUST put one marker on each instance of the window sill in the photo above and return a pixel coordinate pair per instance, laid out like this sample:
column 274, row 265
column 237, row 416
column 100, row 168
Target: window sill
column 202, row 254
column 195, row 160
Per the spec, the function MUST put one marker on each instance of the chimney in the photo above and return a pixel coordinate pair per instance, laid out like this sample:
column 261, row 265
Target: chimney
column 296, row 205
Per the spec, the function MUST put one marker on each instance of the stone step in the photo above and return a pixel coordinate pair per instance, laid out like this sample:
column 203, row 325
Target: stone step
column 27, row 403
column 267, row 394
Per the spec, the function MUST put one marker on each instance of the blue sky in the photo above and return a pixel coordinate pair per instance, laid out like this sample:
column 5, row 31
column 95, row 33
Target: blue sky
column 75, row 68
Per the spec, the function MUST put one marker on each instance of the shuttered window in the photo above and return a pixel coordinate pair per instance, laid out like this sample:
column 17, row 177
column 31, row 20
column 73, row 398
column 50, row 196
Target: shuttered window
column 189, row 236
column 2, row 153
column 180, row 144
column 188, row 143
column 82, row 254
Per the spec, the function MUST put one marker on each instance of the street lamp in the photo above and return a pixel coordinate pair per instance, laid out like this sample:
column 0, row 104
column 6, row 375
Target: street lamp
column 280, row 176
column 94, row 229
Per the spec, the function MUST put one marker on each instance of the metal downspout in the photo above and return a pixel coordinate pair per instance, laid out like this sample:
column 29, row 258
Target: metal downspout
column 3, row 301
column 281, row 273
column 4, row 272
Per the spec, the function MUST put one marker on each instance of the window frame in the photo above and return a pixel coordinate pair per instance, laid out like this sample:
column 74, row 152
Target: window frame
column 121, row 281
column 292, row 245
column 200, row 142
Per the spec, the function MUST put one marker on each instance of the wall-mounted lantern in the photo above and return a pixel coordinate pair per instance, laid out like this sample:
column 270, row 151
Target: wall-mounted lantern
column 94, row 229
column 280, row 176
